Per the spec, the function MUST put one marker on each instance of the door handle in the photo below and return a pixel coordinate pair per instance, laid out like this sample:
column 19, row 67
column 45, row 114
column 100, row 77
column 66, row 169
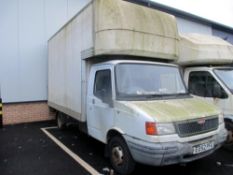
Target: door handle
column 93, row 101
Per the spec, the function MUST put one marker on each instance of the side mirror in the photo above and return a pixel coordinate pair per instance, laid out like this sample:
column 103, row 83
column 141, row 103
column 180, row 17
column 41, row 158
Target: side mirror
column 218, row 92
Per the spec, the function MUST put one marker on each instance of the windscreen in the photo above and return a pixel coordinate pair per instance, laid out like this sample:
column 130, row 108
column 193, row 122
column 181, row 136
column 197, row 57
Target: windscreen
column 135, row 80
column 226, row 75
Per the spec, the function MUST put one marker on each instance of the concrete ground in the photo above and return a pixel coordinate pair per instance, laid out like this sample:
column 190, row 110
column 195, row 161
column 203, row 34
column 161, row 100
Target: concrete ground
column 25, row 150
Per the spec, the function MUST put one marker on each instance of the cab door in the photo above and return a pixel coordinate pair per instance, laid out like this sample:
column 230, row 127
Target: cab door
column 205, row 85
column 100, row 113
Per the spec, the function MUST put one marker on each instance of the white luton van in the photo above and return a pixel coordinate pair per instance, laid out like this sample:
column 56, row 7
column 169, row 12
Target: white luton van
column 108, row 69
column 208, row 72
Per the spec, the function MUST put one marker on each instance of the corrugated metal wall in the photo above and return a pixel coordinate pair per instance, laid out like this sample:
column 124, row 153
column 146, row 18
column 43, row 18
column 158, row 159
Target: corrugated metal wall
column 25, row 27
column 224, row 35
column 187, row 26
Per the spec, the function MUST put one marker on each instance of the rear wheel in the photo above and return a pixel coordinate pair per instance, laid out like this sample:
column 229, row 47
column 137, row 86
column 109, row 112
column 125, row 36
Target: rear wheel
column 120, row 156
column 61, row 120
column 229, row 143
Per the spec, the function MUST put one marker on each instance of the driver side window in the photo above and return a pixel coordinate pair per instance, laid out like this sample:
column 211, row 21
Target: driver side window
column 203, row 84
column 103, row 86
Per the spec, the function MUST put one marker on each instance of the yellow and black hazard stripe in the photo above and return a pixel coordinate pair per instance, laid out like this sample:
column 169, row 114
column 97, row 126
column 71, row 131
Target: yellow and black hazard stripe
column 1, row 113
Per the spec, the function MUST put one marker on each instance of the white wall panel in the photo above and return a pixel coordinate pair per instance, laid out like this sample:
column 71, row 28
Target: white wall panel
column 186, row 26
column 224, row 35
column 9, row 61
column 55, row 15
column 25, row 27
column 32, row 46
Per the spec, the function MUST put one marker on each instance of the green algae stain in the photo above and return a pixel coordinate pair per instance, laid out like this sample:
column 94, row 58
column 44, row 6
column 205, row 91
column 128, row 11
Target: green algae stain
column 177, row 109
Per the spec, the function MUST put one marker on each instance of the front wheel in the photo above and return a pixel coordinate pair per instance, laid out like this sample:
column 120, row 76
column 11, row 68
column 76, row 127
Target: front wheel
column 229, row 143
column 120, row 156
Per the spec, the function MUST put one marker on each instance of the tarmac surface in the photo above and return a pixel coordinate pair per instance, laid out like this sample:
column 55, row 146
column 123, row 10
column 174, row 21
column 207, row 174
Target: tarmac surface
column 26, row 150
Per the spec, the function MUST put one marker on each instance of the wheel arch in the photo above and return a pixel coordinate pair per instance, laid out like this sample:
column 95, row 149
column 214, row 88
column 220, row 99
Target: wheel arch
column 127, row 163
column 114, row 132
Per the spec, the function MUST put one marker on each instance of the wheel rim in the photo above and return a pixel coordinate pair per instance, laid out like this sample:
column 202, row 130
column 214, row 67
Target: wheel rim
column 117, row 155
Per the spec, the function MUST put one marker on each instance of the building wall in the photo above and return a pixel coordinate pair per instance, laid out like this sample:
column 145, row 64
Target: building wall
column 25, row 27
column 187, row 26
column 224, row 35
column 15, row 113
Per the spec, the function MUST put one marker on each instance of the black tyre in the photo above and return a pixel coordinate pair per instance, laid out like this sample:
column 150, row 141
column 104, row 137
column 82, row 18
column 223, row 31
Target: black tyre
column 120, row 157
column 61, row 121
column 229, row 143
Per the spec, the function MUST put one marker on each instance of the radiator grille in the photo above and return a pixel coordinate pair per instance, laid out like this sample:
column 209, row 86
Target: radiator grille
column 198, row 126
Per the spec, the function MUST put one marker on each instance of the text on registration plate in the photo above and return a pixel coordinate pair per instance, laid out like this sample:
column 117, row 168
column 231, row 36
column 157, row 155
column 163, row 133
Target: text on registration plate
column 203, row 147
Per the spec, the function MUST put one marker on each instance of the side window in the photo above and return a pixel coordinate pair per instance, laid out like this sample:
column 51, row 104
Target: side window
column 210, row 84
column 197, row 83
column 214, row 89
column 103, row 86
column 203, row 84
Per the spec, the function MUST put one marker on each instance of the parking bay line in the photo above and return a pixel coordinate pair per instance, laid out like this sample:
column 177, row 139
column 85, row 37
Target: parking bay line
column 84, row 164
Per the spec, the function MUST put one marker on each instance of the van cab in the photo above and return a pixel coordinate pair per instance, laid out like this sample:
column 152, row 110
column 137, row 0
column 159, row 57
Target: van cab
column 208, row 73
column 158, row 121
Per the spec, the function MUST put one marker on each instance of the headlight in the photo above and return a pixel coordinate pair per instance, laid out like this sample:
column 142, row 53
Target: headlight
column 165, row 128
column 220, row 119
column 153, row 128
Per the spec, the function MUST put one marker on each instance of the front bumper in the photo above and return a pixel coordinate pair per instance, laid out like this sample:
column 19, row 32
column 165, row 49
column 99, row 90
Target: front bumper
column 167, row 153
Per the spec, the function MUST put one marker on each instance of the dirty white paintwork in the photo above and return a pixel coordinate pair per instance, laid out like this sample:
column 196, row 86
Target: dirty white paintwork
column 126, row 28
column 200, row 49
column 65, row 74
column 100, row 116
column 207, row 50
column 93, row 32
column 104, row 27
column 129, row 119
column 226, row 105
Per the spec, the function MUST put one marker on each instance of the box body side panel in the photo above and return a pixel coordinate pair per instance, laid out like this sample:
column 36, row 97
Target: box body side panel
column 66, row 50
column 124, row 28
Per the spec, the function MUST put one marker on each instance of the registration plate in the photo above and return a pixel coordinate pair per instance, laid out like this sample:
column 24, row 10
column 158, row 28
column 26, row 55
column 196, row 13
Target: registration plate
column 203, row 147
